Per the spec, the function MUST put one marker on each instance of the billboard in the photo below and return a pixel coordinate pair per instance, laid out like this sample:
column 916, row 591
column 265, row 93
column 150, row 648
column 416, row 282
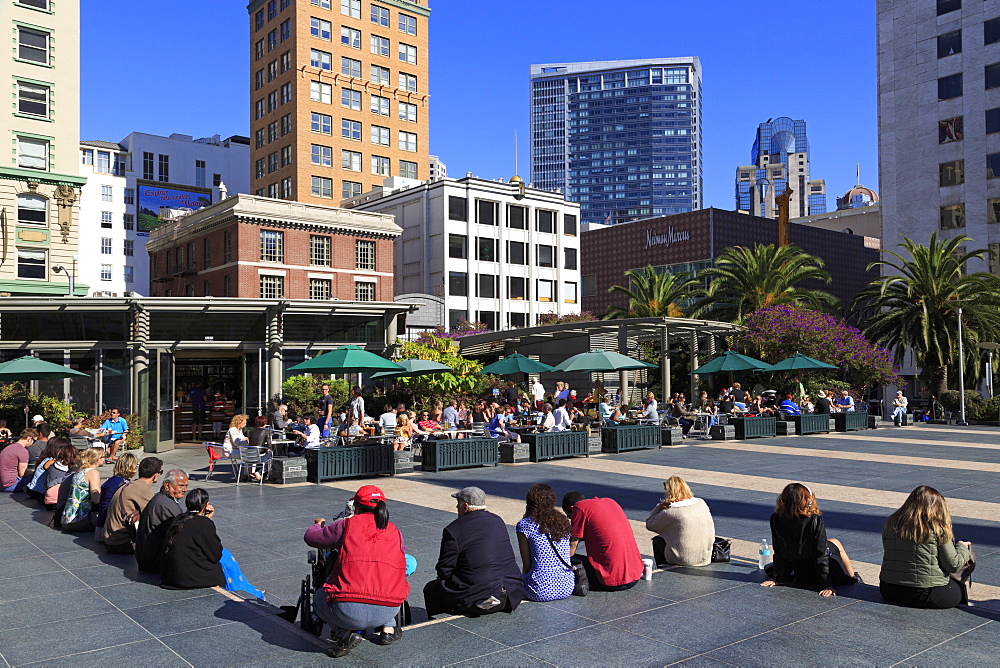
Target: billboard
column 153, row 197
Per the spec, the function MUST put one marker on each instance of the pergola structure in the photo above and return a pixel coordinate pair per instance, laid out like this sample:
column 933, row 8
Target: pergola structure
column 621, row 336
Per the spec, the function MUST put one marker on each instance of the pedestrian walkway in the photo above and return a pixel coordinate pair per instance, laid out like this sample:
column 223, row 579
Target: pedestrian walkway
column 64, row 601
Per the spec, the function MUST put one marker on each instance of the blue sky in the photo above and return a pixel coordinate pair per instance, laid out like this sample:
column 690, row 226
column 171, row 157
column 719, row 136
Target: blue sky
column 809, row 60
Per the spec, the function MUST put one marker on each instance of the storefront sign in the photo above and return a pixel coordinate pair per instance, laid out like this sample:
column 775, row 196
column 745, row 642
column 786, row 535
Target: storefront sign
column 669, row 239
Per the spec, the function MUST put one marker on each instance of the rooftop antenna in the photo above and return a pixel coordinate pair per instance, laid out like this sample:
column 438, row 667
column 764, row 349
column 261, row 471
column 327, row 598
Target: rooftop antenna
column 515, row 152
column 859, row 174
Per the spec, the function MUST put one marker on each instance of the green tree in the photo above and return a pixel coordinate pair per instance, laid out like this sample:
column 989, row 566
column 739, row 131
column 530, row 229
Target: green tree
column 652, row 294
column 465, row 378
column 916, row 306
column 301, row 393
column 745, row 280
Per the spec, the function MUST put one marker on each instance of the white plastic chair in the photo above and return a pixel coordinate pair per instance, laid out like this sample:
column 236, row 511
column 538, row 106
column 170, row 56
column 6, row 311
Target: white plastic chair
column 252, row 456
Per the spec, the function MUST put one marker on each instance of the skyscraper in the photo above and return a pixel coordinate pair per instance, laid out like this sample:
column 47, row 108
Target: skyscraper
column 780, row 159
column 339, row 96
column 621, row 137
column 939, row 113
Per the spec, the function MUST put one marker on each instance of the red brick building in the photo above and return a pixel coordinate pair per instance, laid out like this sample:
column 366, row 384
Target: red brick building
column 246, row 246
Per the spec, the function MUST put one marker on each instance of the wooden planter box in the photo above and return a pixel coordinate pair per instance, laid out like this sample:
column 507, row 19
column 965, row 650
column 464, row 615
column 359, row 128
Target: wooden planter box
column 811, row 423
column 459, row 453
column 754, row 427
column 355, row 461
column 631, row 437
column 851, row 421
column 557, row 444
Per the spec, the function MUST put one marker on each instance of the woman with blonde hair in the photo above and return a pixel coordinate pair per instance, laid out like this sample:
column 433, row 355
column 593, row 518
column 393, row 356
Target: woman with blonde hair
column 235, row 437
column 80, row 511
column 125, row 469
column 921, row 554
column 404, row 432
column 684, row 524
column 802, row 552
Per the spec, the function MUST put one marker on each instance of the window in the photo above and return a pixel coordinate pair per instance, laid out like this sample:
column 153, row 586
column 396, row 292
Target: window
column 286, row 93
column 31, row 263
column 322, row 187
column 320, row 92
column 458, row 284
column 32, row 153
column 260, row 168
column 199, row 173
column 349, row 189
column 380, row 15
column 227, row 247
column 286, row 125
column 350, row 160
column 569, row 225
column 286, row 156
column 320, row 28
column 364, row 255
column 119, row 169
column 350, row 37
column 458, row 209
column 380, row 166
column 364, row 291
column 40, row 4
column 407, row 112
column 380, row 135
column 407, row 141
column 320, row 59
column 993, row 211
column 408, row 82
column 272, row 165
column 517, row 320
column 486, row 212
column 569, row 292
column 88, row 156
column 106, row 219
column 408, row 54
column 380, row 105
column 32, row 99
column 992, row 120
column 546, row 291
column 407, row 169
column 544, row 221
column 129, row 248
column 517, row 287
column 272, row 246
column 351, row 99
column 589, row 285
column 319, row 250
column 951, row 129
column 258, row 79
column 380, row 75
column 487, row 250
column 164, row 167
column 991, row 31
column 407, row 24
column 128, row 220
column 147, row 166
column 322, row 4
column 458, row 246
column 945, row 6
column 379, row 45
column 486, row 285
column 32, row 210
column 350, row 67
column 455, row 317
column 105, row 272
column 272, row 287
column 517, row 252
column 517, row 217
column 227, row 286
column 952, row 216
column 949, row 44
column 259, row 110
column 993, row 166
column 569, row 258
column 33, row 45
column 950, row 86
column 351, row 8
column 350, row 129
column 322, row 155
column 272, row 40
column 321, row 123
column 286, row 188
column 272, row 190
column 103, row 162
column 107, row 193
column 128, row 273
column 206, row 254
column 272, row 9
column 545, row 256
column 992, row 76
column 319, row 288
column 952, row 173
column 258, row 49
column 286, row 29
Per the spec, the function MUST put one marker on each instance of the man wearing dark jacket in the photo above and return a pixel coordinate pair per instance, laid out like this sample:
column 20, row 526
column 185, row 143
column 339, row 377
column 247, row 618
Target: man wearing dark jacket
column 156, row 518
column 477, row 572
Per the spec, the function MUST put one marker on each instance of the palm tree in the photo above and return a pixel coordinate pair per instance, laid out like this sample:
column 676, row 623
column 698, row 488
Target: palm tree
column 745, row 280
column 653, row 294
column 917, row 306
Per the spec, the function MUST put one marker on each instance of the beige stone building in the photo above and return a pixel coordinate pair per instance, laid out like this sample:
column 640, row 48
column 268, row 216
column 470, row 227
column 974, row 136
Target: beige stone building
column 39, row 174
column 338, row 96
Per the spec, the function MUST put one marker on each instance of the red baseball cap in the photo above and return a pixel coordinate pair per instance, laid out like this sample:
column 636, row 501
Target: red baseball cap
column 369, row 495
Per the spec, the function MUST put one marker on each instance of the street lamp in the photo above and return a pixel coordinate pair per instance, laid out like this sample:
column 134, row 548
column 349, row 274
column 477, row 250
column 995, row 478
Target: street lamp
column 71, row 275
column 961, row 374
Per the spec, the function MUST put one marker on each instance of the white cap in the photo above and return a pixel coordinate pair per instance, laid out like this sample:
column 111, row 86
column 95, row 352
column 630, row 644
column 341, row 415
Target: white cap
column 38, row 418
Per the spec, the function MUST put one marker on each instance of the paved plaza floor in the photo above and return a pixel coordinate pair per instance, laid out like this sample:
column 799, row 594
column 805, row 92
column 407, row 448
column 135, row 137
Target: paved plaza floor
column 64, row 601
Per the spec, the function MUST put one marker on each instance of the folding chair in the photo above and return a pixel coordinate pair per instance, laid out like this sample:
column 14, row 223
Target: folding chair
column 217, row 453
column 252, row 456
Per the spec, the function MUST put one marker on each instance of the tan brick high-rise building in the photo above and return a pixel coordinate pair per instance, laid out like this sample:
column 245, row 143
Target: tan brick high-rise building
column 339, row 96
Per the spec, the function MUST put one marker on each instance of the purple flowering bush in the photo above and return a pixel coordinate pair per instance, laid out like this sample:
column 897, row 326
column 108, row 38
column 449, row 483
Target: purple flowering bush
column 776, row 332
column 556, row 319
column 463, row 328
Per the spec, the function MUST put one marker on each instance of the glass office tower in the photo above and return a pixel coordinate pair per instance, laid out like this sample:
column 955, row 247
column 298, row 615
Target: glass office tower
column 622, row 137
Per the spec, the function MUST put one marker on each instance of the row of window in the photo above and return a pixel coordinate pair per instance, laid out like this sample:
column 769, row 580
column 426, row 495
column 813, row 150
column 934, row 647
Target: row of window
column 272, row 249
column 950, row 43
column 352, row 99
column 272, row 12
column 378, row 14
column 953, row 215
column 274, row 37
column 490, row 318
column 129, row 247
column 487, row 286
column 488, row 213
column 353, row 130
column 488, row 250
column 352, row 68
column 33, row 264
column 352, row 161
column 951, row 86
column 273, row 287
column 350, row 37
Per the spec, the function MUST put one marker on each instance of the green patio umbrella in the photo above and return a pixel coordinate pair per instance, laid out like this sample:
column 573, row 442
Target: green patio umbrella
column 516, row 363
column 32, row 368
column 346, row 359
column 596, row 361
column 731, row 361
column 413, row 368
column 799, row 362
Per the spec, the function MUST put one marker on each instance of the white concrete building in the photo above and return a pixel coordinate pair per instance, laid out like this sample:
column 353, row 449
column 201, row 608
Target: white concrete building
column 438, row 169
column 939, row 121
column 496, row 252
column 131, row 183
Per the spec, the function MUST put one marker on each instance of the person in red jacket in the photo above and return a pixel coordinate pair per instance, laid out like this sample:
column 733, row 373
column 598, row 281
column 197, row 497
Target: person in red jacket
column 367, row 584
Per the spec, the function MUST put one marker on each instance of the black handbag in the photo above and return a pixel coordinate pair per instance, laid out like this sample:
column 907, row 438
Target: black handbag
column 720, row 549
column 963, row 576
column 581, row 584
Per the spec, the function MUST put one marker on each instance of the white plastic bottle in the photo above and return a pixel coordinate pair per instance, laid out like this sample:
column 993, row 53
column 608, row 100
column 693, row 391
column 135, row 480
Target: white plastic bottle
column 763, row 555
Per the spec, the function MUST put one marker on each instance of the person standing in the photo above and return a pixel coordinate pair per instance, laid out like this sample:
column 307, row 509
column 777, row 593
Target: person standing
column 324, row 411
column 127, row 505
column 538, row 393
column 356, row 407
column 218, row 413
column 612, row 562
column 197, row 395
column 899, row 409
column 510, row 393
column 798, row 390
